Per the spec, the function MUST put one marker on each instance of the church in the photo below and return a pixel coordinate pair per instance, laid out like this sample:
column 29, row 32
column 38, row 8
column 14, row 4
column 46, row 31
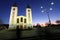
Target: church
column 23, row 22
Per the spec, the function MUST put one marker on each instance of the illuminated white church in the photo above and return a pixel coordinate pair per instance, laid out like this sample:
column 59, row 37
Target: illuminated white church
column 22, row 22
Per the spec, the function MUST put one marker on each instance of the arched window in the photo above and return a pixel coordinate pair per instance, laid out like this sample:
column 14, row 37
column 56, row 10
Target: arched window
column 17, row 20
column 24, row 20
column 21, row 19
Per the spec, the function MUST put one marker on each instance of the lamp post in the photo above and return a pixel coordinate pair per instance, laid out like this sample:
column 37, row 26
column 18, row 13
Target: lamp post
column 47, row 12
column 48, row 17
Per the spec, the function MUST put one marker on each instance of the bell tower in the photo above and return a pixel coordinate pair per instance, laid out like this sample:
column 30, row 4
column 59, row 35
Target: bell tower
column 29, row 16
column 13, row 15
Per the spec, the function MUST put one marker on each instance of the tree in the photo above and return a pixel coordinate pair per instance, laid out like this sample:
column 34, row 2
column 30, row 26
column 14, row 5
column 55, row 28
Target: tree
column 58, row 21
column 1, row 22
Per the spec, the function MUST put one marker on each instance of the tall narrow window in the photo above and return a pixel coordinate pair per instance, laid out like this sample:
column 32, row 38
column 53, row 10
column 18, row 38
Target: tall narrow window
column 13, row 17
column 29, row 15
column 13, row 14
column 17, row 20
column 21, row 19
column 24, row 20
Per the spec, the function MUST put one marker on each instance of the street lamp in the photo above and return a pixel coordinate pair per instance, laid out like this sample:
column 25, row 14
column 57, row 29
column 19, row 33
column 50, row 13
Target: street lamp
column 48, row 17
column 47, row 11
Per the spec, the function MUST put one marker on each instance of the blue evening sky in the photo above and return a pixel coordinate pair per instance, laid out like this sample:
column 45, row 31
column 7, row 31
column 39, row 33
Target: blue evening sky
column 37, row 15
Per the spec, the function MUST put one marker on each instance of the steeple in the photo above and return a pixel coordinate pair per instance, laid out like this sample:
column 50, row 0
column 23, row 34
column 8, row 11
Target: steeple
column 28, row 6
column 14, row 5
column 13, row 15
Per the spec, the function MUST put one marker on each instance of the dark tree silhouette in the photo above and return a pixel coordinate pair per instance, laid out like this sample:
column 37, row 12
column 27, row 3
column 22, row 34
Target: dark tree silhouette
column 1, row 22
column 58, row 21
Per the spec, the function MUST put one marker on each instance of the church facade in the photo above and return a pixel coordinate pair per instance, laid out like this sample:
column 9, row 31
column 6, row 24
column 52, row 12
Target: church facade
column 23, row 22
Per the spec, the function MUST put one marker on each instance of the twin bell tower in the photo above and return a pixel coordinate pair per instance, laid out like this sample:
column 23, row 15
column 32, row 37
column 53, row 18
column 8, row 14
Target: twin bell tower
column 22, row 22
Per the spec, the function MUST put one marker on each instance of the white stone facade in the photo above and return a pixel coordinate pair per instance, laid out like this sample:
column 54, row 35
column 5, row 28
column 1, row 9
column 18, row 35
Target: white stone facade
column 23, row 22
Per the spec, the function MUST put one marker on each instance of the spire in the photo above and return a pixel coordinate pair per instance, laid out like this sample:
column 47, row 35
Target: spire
column 15, row 5
column 28, row 6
